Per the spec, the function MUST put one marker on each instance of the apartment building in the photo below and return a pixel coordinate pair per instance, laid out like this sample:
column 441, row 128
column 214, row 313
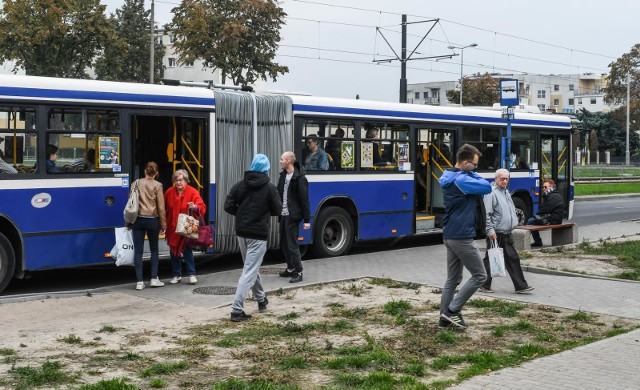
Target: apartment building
column 561, row 93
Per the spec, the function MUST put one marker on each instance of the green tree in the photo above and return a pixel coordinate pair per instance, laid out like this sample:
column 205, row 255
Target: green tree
column 53, row 37
column 238, row 37
column 611, row 134
column 126, row 57
column 627, row 65
column 478, row 90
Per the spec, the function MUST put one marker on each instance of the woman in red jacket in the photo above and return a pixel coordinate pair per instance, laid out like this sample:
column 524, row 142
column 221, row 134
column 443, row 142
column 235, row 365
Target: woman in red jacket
column 181, row 198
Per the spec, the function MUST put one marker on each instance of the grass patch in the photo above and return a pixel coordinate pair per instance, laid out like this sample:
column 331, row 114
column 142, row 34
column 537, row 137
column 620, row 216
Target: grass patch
column 110, row 384
column 164, row 369
column 501, row 308
column 49, row 374
column 108, row 329
column 238, row 384
column 606, row 188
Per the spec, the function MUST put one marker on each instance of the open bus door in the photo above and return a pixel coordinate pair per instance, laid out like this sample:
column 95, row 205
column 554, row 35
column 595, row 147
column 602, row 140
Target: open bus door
column 434, row 156
column 557, row 168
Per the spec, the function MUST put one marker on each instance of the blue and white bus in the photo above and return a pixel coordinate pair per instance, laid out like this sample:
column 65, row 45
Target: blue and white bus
column 384, row 161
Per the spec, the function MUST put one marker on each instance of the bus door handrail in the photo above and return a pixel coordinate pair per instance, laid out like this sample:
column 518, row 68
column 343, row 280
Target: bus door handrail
column 195, row 159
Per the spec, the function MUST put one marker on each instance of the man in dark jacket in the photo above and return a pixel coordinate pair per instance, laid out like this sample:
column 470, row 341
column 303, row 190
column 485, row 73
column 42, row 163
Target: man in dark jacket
column 461, row 186
column 551, row 211
column 293, row 189
column 253, row 201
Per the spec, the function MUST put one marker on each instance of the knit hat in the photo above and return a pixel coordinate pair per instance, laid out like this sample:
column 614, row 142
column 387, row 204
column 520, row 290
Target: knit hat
column 260, row 163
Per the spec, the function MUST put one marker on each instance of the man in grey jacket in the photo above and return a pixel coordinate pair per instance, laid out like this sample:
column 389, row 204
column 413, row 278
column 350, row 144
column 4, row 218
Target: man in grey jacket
column 501, row 220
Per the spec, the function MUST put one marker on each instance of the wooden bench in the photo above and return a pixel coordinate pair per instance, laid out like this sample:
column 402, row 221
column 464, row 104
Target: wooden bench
column 561, row 234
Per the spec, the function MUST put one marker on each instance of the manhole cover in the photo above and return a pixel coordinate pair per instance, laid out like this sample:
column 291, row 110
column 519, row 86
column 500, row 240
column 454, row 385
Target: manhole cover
column 270, row 271
column 215, row 290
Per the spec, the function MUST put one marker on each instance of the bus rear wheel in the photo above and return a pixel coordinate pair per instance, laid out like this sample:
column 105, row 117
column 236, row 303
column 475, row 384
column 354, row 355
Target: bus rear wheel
column 333, row 235
column 521, row 211
column 7, row 262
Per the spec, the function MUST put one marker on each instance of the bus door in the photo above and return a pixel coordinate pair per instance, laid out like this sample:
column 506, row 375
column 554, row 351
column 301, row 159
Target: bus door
column 556, row 164
column 434, row 156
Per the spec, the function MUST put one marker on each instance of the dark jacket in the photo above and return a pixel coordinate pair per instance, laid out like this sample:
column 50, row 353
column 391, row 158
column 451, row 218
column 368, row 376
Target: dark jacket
column 463, row 209
column 552, row 207
column 253, row 201
column 297, row 196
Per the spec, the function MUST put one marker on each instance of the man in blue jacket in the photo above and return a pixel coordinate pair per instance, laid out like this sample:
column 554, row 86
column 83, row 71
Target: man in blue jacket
column 462, row 220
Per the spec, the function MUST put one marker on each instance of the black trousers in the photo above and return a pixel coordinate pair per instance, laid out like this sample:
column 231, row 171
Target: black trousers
column 511, row 262
column 289, row 243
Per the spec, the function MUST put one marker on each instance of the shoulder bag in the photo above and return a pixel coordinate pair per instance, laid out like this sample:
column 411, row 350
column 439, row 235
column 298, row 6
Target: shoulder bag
column 133, row 205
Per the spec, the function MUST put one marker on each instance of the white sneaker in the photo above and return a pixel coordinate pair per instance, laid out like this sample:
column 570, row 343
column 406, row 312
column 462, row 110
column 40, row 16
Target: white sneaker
column 139, row 285
column 175, row 279
column 156, row 283
column 192, row 279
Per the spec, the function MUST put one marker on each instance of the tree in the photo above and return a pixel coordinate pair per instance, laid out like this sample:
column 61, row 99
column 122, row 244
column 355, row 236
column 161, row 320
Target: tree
column 57, row 38
column 238, row 37
column 611, row 134
column 627, row 64
column 479, row 90
column 126, row 57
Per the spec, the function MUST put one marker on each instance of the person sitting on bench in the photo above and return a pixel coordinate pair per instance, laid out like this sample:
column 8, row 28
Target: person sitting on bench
column 551, row 210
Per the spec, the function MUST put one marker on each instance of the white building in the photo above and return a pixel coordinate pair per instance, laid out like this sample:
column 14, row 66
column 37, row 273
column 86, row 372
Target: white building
column 562, row 93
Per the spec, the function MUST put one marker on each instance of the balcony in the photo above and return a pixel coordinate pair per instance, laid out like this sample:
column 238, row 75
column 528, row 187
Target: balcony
column 588, row 92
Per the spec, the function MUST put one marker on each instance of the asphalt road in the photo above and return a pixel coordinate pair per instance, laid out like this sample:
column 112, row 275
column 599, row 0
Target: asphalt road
column 585, row 213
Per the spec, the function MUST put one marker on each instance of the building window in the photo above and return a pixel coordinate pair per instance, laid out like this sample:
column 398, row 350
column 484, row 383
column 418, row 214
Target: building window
column 556, row 87
column 571, row 102
column 580, row 101
column 593, row 100
column 172, row 62
column 170, row 38
column 189, row 64
column 571, row 87
column 417, row 95
column 435, row 93
column 425, row 95
column 541, row 107
column 542, row 93
column 556, row 102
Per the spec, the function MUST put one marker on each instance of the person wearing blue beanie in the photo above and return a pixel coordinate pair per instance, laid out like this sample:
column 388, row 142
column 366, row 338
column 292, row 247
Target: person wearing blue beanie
column 261, row 164
column 253, row 200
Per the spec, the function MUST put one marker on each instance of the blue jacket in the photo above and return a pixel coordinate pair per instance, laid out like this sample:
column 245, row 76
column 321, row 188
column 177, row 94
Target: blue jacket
column 460, row 189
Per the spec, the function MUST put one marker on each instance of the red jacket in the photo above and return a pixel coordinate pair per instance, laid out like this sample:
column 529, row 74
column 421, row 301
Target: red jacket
column 175, row 204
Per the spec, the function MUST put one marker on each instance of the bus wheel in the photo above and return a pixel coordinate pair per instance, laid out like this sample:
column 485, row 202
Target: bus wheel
column 7, row 262
column 334, row 232
column 521, row 211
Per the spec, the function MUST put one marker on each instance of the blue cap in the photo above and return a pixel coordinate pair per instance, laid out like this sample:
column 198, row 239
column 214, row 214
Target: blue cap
column 260, row 163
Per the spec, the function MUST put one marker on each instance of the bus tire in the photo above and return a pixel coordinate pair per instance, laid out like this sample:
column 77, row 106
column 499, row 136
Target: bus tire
column 333, row 233
column 7, row 262
column 522, row 211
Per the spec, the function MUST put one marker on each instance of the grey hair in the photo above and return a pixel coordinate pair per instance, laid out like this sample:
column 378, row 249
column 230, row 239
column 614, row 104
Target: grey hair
column 502, row 171
column 180, row 172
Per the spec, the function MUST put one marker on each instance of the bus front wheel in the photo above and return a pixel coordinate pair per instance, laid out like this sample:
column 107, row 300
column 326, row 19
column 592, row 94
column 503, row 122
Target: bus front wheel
column 7, row 262
column 333, row 234
column 521, row 211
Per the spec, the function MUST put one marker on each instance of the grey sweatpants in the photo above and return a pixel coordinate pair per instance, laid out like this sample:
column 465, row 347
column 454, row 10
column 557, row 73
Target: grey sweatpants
column 252, row 254
column 461, row 253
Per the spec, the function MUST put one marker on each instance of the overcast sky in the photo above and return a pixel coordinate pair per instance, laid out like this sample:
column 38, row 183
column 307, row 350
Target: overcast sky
column 330, row 45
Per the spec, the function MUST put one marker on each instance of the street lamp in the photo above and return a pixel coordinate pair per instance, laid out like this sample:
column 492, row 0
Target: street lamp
column 461, row 62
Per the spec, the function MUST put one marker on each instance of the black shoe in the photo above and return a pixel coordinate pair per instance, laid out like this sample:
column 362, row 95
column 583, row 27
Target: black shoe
column 454, row 318
column 286, row 273
column 444, row 324
column 242, row 316
column 536, row 244
column 297, row 278
column 262, row 306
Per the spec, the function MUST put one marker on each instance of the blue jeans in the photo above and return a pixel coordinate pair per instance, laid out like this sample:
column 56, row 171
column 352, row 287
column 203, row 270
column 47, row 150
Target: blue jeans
column 189, row 262
column 461, row 254
column 252, row 254
column 151, row 228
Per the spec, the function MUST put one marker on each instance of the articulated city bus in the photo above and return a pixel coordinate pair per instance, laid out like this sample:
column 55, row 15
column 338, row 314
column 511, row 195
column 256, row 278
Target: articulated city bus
column 381, row 180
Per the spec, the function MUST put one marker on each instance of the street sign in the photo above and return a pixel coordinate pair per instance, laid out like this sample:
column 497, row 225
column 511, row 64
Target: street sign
column 509, row 92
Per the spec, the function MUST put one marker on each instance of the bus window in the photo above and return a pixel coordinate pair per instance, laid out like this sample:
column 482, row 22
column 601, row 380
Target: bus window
column 88, row 140
column 523, row 147
column 335, row 138
column 487, row 140
column 18, row 140
column 385, row 146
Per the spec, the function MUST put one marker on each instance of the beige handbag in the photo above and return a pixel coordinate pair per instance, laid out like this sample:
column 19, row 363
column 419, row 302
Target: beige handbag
column 187, row 226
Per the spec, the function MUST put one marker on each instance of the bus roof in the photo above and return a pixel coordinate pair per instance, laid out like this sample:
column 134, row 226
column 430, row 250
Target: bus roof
column 401, row 111
column 103, row 92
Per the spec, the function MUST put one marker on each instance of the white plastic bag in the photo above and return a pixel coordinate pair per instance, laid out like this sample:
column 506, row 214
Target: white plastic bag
column 122, row 251
column 496, row 260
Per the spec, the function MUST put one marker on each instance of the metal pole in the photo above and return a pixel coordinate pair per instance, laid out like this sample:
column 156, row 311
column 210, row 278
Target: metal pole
column 461, row 65
column 627, row 156
column 403, row 62
column 151, row 46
